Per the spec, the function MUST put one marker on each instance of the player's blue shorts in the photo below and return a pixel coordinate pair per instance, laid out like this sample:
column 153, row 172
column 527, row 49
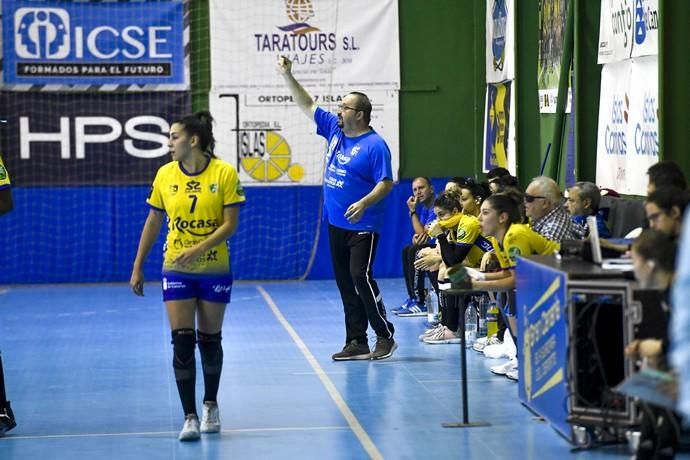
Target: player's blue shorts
column 213, row 288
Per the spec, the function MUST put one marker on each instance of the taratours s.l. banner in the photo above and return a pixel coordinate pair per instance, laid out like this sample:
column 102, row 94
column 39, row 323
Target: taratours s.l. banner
column 499, row 127
column 500, row 41
column 94, row 45
column 336, row 47
column 628, row 29
column 628, row 135
column 552, row 14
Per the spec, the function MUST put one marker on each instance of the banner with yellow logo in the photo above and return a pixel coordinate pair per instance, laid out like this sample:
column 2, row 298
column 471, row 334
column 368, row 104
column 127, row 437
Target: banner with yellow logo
column 336, row 47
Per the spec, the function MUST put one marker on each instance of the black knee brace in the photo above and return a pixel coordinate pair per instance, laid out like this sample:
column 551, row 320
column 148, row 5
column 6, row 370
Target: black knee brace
column 211, row 352
column 183, row 341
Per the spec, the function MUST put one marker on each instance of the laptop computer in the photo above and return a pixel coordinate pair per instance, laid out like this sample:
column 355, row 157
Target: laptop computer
column 616, row 263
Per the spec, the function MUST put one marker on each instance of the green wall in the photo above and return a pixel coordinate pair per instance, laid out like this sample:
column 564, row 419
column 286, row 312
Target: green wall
column 442, row 93
column 674, row 76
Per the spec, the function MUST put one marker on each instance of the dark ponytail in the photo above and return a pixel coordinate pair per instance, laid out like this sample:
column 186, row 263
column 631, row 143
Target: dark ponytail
column 502, row 202
column 200, row 124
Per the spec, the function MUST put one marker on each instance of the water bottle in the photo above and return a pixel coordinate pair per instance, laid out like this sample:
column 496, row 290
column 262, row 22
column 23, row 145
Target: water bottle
column 431, row 303
column 492, row 319
column 483, row 308
column 470, row 323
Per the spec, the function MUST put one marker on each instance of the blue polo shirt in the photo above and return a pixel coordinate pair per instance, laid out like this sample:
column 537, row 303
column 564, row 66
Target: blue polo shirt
column 425, row 215
column 354, row 165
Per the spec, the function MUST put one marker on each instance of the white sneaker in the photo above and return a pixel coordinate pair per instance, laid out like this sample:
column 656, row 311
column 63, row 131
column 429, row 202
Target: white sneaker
column 190, row 430
column 504, row 350
column 481, row 343
column 431, row 331
column 210, row 418
column 442, row 336
column 503, row 369
column 481, row 340
column 497, row 351
column 513, row 375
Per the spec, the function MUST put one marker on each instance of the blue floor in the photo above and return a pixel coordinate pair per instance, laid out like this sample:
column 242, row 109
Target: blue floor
column 89, row 375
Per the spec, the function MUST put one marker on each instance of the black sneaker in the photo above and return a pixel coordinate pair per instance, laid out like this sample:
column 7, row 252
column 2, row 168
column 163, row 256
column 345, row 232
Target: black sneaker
column 384, row 348
column 7, row 421
column 352, row 351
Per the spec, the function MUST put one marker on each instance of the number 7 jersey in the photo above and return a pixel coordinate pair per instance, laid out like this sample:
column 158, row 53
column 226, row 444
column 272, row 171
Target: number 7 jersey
column 194, row 205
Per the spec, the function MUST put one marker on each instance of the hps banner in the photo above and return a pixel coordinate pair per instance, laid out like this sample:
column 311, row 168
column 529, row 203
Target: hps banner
column 94, row 45
column 88, row 138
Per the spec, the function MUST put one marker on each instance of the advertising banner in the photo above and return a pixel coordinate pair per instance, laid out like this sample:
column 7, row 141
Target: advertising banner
column 646, row 41
column 333, row 44
column 500, row 41
column 499, row 127
column 94, row 45
column 88, row 138
column 612, row 136
column 543, row 350
column 627, row 29
column 628, row 137
column 552, row 16
column 271, row 142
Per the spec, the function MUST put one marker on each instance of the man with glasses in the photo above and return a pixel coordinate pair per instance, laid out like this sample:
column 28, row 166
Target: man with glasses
column 665, row 208
column 357, row 176
column 545, row 210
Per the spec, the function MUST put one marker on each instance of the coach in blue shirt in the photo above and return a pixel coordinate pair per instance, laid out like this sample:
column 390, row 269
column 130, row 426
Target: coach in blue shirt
column 358, row 175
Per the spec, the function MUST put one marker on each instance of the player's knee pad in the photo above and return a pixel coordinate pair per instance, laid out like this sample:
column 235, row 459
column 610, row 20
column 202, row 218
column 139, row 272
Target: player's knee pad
column 211, row 351
column 183, row 341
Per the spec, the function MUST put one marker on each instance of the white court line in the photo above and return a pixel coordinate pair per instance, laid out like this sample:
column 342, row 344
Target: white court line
column 356, row 427
column 168, row 433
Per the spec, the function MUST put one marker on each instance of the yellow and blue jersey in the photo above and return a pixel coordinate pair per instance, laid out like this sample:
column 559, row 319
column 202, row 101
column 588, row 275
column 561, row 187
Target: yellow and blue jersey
column 194, row 205
column 468, row 232
column 521, row 240
column 4, row 176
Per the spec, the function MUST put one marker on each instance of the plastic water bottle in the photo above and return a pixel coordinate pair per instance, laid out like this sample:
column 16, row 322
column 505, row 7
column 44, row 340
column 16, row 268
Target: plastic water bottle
column 492, row 319
column 470, row 323
column 483, row 308
column 431, row 303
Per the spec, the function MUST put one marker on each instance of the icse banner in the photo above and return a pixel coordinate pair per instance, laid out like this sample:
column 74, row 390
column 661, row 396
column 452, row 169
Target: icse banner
column 628, row 137
column 88, row 138
column 628, row 29
column 94, row 45
column 335, row 46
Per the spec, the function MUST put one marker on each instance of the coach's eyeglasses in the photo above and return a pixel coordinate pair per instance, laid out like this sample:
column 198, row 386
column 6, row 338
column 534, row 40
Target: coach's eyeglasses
column 531, row 198
column 343, row 107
